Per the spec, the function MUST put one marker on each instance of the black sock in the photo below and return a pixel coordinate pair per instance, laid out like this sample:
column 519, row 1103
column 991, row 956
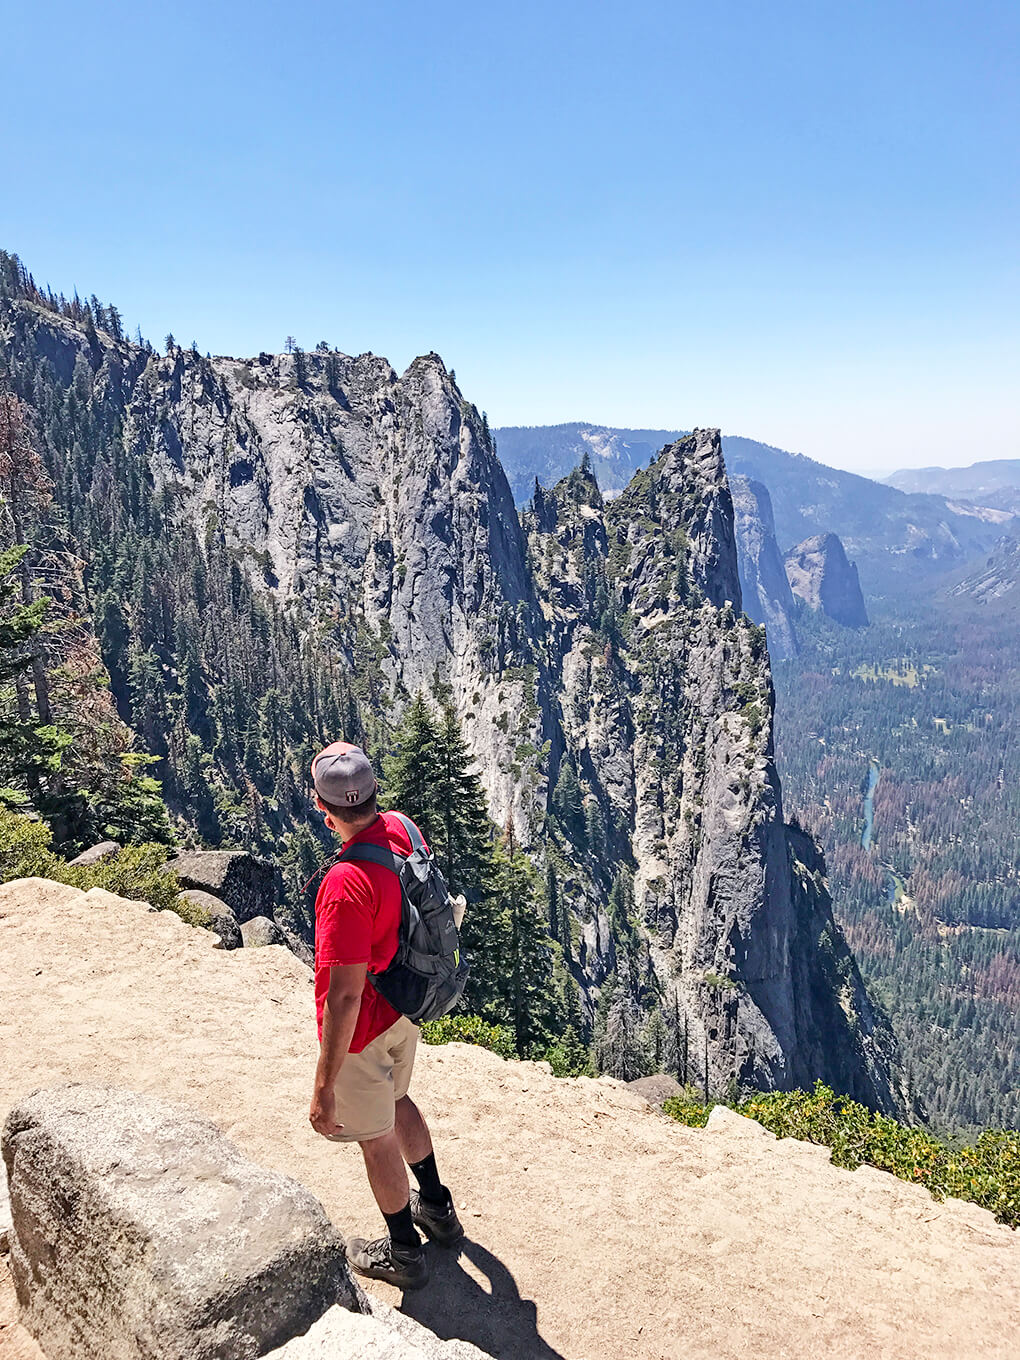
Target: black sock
column 401, row 1228
column 427, row 1176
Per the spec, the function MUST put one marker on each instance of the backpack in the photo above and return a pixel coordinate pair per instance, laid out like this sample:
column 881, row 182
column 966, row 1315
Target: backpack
column 428, row 975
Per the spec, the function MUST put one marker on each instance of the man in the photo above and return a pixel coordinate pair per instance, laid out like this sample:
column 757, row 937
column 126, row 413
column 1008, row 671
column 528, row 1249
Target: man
column 366, row 1048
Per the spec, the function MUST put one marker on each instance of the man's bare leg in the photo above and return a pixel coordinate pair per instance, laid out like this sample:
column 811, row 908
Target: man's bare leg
column 399, row 1257
column 432, row 1207
column 387, row 1174
column 412, row 1131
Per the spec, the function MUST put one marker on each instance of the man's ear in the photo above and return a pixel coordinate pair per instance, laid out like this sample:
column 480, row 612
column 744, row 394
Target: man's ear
column 326, row 813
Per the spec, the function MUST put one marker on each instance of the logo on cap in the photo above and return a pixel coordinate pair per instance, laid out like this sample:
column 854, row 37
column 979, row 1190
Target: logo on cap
column 352, row 796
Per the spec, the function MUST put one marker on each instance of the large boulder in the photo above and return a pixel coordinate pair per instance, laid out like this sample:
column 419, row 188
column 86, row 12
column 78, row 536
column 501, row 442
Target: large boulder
column 95, row 853
column 5, row 1212
column 141, row 1233
column 247, row 884
column 261, row 931
column 200, row 908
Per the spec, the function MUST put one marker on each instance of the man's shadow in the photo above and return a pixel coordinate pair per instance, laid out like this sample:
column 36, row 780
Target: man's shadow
column 455, row 1305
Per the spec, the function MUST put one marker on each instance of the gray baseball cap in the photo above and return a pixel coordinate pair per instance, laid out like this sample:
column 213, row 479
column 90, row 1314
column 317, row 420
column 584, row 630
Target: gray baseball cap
column 343, row 775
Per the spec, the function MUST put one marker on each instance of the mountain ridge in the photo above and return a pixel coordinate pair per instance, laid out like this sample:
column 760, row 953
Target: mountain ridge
column 885, row 530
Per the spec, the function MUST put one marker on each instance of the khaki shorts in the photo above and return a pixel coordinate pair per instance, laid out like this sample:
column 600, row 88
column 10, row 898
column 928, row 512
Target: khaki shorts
column 372, row 1081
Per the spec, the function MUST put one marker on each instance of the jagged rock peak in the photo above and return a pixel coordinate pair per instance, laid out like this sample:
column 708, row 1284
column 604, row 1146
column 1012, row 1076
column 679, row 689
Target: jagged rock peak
column 686, row 488
column 821, row 575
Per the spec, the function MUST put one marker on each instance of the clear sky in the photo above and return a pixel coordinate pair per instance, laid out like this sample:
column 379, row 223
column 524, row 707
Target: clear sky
column 798, row 221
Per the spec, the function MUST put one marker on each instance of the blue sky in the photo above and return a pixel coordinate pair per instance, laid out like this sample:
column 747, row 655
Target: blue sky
column 798, row 221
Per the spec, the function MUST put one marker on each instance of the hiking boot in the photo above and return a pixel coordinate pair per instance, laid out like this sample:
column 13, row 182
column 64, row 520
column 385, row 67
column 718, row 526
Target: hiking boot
column 441, row 1224
column 405, row 1267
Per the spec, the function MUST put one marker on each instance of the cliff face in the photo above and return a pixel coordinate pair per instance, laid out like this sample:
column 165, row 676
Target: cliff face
column 667, row 716
column 820, row 575
column 368, row 496
column 598, row 651
column 997, row 583
column 766, row 591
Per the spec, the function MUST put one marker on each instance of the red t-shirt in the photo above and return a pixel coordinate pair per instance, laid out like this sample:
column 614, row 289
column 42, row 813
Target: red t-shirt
column 357, row 920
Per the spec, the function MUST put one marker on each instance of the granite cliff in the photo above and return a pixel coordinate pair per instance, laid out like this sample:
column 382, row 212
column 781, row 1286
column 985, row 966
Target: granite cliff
column 821, row 575
column 768, row 598
column 618, row 703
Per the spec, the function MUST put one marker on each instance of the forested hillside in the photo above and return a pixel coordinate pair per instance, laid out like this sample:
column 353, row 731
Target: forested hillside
column 906, row 737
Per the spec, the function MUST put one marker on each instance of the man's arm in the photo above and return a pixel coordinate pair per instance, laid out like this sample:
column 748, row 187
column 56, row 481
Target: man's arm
column 339, row 1018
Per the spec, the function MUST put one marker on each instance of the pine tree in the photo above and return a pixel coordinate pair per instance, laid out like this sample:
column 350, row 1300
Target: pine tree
column 410, row 772
column 528, row 969
column 30, row 751
column 567, row 799
column 619, row 1051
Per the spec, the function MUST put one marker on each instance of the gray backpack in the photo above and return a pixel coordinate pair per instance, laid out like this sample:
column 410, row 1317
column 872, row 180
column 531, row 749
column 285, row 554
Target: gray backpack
column 428, row 975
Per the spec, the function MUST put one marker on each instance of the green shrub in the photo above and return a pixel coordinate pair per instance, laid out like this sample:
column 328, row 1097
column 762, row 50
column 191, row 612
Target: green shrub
column 24, row 847
column 470, row 1029
column 567, row 1058
column 138, row 871
column 686, row 1110
column 191, row 912
column 987, row 1172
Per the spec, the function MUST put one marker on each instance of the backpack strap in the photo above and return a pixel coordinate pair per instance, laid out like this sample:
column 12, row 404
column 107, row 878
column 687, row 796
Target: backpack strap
column 372, row 854
column 413, row 834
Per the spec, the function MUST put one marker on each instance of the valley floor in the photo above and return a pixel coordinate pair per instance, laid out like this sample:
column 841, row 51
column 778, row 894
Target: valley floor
column 596, row 1228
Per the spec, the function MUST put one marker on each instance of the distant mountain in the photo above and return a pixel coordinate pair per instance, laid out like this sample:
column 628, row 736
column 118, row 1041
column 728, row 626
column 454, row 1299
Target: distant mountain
column 998, row 581
column 884, row 530
column 889, row 533
column 995, row 482
column 549, row 452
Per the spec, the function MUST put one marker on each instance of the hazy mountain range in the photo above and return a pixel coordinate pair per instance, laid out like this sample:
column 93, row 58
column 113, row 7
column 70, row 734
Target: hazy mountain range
column 883, row 529
column 995, row 483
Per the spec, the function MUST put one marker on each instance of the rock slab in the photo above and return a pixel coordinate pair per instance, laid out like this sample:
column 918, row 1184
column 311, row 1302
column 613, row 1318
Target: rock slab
column 247, row 884
column 213, row 914
column 141, row 1232
column 95, row 853
column 385, row 1335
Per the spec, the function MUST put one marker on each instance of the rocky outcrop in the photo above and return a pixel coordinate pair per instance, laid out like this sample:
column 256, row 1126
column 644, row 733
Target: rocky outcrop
column 550, row 1171
column 379, row 503
column 246, row 884
column 764, row 586
column 140, row 1231
column 997, row 582
column 820, row 575
column 666, row 703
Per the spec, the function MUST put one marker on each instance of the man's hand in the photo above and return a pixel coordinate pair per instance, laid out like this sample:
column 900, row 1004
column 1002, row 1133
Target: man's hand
column 322, row 1114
